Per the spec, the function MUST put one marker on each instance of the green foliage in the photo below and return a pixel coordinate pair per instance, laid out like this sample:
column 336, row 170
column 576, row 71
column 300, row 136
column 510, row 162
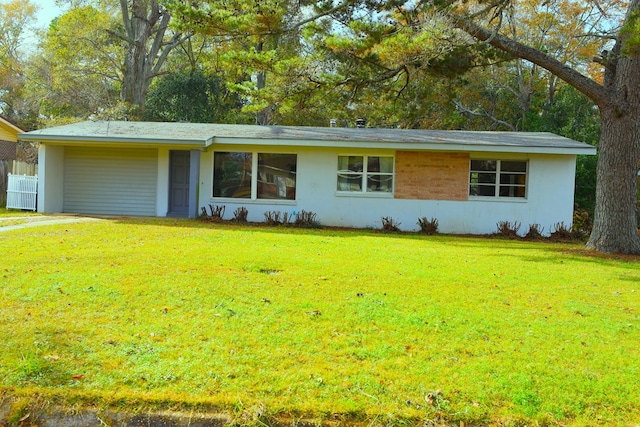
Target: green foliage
column 16, row 18
column 78, row 71
column 333, row 324
column 192, row 97
column 582, row 223
column 574, row 116
column 631, row 34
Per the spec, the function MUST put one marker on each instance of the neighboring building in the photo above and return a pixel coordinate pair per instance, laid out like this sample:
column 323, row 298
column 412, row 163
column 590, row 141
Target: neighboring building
column 8, row 139
column 8, row 148
column 349, row 177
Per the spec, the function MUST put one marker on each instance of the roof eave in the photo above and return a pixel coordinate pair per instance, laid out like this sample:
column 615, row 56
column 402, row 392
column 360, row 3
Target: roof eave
column 409, row 146
column 16, row 128
column 100, row 140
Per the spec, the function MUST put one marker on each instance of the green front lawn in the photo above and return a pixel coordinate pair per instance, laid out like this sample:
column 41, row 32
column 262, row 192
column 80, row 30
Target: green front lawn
column 383, row 328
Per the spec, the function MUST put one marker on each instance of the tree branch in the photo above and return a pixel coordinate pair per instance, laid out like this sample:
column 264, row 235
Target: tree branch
column 584, row 84
column 485, row 114
column 126, row 20
column 320, row 15
column 120, row 36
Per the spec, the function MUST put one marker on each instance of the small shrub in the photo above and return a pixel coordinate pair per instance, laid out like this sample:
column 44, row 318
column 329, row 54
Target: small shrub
column 561, row 232
column 306, row 219
column 535, row 232
column 287, row 218
column 507, row 229
column 582, row 224
column 389, row 225
column 217, row 212
column 240, row 214
column 272, row 218
column 428, row 226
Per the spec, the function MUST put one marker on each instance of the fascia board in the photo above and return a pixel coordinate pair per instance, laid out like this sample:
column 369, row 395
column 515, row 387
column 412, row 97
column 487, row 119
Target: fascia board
column 491, row 148
column 116, row 141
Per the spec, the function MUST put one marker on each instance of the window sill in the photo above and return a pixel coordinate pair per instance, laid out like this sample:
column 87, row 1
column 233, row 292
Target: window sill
column 241, row 201
column 369, row 195
column 494, row 199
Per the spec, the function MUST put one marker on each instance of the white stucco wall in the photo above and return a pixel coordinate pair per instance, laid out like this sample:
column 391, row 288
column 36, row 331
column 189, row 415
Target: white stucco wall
column 549, row 199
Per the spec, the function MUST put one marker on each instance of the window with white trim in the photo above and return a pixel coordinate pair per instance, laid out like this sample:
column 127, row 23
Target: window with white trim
column 244, row 175
column 365, row 174
column 498, row 178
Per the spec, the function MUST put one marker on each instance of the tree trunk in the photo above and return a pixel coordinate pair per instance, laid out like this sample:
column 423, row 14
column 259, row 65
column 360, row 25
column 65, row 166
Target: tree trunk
column 134, row 84
column 138, row 22
column 145, row 26
column 615, row 227
column 262, row 117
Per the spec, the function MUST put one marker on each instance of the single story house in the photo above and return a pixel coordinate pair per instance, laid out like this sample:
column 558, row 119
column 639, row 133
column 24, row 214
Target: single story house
column 349, row 177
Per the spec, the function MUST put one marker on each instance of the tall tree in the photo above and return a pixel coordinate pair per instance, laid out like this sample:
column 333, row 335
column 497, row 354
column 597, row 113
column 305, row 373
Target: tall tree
column 560, row 50
column 77, row 70
column 615, row 227
column 192, row 96
column 16, row 17
column 264, row 37
column 145, row 23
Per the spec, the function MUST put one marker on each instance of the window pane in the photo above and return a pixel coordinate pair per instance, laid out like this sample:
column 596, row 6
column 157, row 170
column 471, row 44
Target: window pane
column 381, row 183
column 507, row 191
column 277, row 176
column 486, row 178
column 483, row 165
column 232, row 175
column 386, row 164
column 513, row 166
column 482, row 190
column 512, row 178
column 350, row 182
column 350, row 163
column 380, row 164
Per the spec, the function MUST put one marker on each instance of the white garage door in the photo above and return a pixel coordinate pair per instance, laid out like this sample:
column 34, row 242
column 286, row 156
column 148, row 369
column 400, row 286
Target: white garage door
column 110, row 181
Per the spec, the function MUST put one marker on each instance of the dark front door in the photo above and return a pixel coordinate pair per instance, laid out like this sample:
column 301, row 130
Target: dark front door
column 179, row 183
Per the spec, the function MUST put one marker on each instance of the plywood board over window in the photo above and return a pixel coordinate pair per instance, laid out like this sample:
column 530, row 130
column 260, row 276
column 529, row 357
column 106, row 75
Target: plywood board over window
column 432, row 175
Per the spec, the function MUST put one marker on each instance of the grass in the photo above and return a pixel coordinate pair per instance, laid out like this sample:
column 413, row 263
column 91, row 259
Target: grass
column 358, row 325
column 4, row 212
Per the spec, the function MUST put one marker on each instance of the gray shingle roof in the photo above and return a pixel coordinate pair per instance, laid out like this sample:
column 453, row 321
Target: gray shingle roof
column 203, row 135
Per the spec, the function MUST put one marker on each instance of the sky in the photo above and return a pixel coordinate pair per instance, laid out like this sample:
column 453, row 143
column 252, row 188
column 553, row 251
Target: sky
column 48, row 11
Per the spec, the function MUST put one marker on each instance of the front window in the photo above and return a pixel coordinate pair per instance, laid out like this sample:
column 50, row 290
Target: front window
column 498, row 178
column 277, row 176
column 365, row 174
column 254, row 175
column 232, row 173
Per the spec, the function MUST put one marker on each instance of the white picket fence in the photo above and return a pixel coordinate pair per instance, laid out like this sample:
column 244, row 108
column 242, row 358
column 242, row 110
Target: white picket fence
column 22, row 191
